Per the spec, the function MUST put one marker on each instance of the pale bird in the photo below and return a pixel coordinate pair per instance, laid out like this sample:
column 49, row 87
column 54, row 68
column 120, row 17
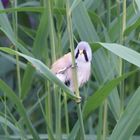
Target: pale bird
column 62, row 68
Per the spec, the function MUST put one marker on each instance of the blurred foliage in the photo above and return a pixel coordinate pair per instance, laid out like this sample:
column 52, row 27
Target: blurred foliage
column 30, row 104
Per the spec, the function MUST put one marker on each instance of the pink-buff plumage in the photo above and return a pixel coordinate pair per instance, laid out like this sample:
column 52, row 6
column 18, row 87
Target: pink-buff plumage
column 62, row 68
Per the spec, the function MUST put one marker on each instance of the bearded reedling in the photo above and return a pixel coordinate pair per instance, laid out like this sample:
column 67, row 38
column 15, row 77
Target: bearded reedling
column 62, row 68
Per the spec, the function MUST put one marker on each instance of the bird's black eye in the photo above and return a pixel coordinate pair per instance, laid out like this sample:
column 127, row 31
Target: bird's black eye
column 77, row 54
column 85, row 55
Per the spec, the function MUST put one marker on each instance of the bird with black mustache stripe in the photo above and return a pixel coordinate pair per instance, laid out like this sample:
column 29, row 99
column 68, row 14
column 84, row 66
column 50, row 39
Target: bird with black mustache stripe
column 62, row 68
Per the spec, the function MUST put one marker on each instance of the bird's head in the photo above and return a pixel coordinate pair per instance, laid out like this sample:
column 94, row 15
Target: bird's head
column 83, row 52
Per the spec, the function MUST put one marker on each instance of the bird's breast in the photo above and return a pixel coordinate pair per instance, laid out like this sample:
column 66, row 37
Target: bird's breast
column 83, row 72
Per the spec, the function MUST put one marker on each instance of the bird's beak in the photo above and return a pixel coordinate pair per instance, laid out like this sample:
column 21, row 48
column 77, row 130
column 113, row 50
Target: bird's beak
column 80, row 52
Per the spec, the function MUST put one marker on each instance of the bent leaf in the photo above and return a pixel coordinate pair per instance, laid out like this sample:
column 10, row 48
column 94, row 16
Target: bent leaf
column 125, row 53
column 43, row 69
column 129, row 120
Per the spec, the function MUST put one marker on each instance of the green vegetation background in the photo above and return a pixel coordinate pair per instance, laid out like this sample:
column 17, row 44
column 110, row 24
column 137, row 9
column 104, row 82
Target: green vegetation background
column 34, row 104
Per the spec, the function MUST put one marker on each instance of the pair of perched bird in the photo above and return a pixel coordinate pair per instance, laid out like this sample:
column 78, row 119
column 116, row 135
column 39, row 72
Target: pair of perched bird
column 62, row 68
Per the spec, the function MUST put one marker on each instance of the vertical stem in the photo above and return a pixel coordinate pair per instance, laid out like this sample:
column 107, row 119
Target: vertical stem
column 122, row 63
column 108, row 13
column 66, row 114
column 53, row 53
column 80, row 117
column 124, row 19
column 51, row 31
column 105, row 120
column 5, row 115
column 48, row 106
column 47, row 5
column 50, row 134
column 118, row 17
column 15, row 28
column 74, row 71
column 120, row 59
column 58, row 115
column 70, row 33
column 100, row 123
column 105, row 112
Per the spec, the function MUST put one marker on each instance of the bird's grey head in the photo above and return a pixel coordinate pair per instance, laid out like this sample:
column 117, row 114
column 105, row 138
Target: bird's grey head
column 83, row 52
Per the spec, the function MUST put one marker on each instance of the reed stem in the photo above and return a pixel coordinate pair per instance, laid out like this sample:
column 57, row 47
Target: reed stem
column 15, row 28
column 108, row 13
column 66, row 115
column 122, row 94
column 105, row 120
column 48, row 5
column 74, row 71
column 105, row 109
column 100, row 123
column 52, row 38
column 70, row 34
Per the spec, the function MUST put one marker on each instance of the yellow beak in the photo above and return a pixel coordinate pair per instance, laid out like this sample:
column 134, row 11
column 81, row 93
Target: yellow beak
column 80, row 52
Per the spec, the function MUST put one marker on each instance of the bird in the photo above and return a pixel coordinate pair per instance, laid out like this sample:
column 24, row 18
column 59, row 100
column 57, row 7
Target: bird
column 62, row 67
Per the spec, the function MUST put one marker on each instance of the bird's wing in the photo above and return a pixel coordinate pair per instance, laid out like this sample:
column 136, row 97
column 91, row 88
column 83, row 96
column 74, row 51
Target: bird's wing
column 62, row 64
